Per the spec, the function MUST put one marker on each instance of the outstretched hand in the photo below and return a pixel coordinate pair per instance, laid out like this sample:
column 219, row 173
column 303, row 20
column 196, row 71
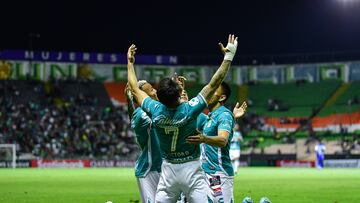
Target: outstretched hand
column 231, row 46
column 131, row 53
column 238, row 110
column 180, row 80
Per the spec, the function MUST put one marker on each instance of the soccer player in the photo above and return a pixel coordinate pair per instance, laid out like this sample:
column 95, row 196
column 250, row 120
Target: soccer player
column 217, row 130
column 148, row 164
column 235, row 148
column 320, row 155
column 174, row 122
column 238, row 110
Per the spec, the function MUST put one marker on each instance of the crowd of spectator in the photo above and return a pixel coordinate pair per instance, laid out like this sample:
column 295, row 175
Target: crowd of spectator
column 54, row 126
column 276, row 105
column 64, row 128
column 252, row 121
column 349, row 145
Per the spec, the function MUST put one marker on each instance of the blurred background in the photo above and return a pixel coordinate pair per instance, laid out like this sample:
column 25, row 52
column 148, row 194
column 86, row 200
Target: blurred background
column 63, row 72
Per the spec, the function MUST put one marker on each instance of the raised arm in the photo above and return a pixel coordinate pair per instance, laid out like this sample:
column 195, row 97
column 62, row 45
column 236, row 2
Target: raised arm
column 220, row 74
column 181, row 81
column 130, row 101
column 138, row 94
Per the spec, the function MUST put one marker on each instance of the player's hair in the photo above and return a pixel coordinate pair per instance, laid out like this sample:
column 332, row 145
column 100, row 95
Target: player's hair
column 226, row 90
column 141, row 83
column 168, row 92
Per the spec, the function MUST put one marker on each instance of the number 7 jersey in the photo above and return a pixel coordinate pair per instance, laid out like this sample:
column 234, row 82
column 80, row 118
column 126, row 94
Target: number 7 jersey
column 173, row 126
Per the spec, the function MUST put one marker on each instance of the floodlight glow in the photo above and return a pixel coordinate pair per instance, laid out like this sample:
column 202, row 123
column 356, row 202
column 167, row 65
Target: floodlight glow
column 347, row 1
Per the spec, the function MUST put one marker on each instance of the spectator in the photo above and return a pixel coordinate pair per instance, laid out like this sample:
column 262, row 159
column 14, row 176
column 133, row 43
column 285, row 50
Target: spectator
column 64, row 128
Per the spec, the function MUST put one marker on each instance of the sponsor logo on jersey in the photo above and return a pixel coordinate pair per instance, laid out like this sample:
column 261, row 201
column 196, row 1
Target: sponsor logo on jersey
column 194, row 102
column 163, row 121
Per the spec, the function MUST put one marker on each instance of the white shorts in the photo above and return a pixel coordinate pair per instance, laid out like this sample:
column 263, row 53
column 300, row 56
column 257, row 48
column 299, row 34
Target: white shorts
column 222, row 187
column 147, row 186
column 234, row 154
column 188, row 178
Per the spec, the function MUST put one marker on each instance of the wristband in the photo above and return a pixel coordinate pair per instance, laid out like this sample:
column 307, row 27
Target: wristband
column 229, row 55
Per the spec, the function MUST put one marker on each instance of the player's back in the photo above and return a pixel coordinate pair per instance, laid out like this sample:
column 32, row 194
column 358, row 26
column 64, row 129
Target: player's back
column 173, row 126
column 150, row 157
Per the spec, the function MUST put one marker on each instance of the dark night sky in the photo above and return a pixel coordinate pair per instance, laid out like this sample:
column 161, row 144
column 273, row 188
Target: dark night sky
column 166, row 27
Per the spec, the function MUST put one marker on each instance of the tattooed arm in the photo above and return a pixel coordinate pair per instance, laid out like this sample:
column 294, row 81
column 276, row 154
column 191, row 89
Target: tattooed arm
column 220, row 74
column 130, row 101
column 138, row 94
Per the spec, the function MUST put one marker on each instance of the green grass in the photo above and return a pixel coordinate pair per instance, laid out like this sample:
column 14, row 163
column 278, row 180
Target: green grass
column 119, row 185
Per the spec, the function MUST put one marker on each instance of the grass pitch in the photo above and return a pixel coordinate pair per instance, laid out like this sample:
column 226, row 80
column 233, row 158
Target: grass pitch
column 281, row 185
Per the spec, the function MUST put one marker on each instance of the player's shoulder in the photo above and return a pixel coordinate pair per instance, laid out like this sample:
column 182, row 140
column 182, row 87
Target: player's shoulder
column 136, row 117
column 202, row 116
column 224, row 112
column 140, row 114
column 198, row 99
column 152, row 104
column 137, row 112
column 183, row 108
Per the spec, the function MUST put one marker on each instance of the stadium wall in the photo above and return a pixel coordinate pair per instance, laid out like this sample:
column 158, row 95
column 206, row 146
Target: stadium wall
column 351, row 121
column 254, row 160
column 44, row 65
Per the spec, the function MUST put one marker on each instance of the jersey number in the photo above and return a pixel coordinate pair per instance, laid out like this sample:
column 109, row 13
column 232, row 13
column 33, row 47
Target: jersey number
column 175, row 132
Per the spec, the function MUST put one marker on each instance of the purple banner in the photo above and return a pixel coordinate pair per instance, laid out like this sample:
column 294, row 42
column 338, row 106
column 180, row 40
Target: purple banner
column 85, row 57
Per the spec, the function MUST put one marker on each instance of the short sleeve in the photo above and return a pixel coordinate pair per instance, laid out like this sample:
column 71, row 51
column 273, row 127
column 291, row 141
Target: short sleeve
column 150, row 106
column 196, row 106
column 226, row 122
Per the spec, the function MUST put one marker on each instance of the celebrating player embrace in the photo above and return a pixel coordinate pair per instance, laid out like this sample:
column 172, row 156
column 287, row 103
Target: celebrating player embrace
column 174, row 122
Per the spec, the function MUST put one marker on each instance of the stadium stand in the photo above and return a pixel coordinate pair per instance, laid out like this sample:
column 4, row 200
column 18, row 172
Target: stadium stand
column 346, row 102
column 292, row 100
column 87, row 119
column 64, row 119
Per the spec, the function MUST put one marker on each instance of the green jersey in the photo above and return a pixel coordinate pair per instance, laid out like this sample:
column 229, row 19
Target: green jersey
column 150, row 157
column 217, row 158
column 173, row 126
column 201, row 121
